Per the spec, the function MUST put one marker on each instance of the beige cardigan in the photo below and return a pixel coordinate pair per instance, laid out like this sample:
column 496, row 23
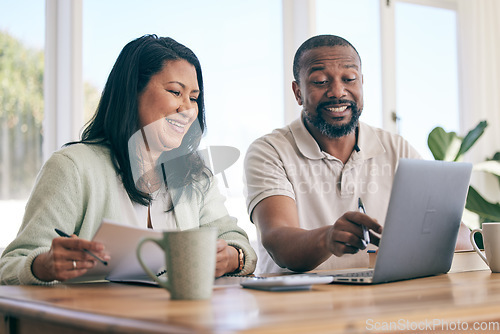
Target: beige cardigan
column 78, row 187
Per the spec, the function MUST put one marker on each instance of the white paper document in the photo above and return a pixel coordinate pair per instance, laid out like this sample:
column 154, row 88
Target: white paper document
column 121, row 243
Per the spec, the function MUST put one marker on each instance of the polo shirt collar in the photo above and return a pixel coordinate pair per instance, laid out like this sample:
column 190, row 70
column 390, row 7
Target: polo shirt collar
column 368, row 142
column 306, row 143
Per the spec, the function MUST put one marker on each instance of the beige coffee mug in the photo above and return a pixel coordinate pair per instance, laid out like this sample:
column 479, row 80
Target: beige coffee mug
column 190, row 262
column 491, row 241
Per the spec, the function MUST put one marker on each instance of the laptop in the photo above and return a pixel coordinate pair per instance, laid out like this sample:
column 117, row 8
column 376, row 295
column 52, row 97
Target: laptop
column 421, row 226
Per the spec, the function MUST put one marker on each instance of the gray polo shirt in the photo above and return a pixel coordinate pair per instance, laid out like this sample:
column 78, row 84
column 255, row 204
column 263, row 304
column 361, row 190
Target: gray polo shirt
column 289, row 162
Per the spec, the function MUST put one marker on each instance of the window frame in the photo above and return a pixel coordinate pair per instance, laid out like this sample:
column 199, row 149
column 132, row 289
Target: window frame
column 63, row 81
column 63, row 62
column 388, row 49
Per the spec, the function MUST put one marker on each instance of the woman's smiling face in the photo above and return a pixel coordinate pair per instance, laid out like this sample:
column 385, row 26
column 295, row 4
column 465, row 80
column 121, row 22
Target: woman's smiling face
column 168, row 105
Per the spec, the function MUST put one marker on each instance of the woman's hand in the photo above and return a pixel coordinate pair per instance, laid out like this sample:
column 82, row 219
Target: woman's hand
column 66, row 259
column 227, row 259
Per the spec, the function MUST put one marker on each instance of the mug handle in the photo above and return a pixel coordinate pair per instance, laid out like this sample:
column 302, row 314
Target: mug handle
column 162, row 283
column 473, row 242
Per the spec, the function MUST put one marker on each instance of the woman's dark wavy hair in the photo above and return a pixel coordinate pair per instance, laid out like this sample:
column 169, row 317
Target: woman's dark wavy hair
column 116, row 118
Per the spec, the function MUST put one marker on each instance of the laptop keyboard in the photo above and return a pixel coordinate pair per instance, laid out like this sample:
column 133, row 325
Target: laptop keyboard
column 367, row 273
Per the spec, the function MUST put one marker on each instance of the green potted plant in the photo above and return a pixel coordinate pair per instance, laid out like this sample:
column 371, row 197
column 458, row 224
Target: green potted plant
column 448, row 146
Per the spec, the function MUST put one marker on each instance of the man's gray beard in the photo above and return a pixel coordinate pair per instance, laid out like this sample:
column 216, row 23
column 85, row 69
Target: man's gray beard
column 333, row 131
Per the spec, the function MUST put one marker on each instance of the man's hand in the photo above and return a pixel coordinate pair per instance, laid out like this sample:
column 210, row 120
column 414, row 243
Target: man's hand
column 345, row 236
column 301, row 250
column 66, row 259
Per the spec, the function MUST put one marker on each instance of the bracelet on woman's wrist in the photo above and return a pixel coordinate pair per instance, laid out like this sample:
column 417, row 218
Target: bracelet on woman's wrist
column 241, row 259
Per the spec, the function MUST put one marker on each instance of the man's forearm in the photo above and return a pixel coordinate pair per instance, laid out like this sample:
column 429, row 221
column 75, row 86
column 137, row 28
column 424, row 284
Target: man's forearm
column 297, row 249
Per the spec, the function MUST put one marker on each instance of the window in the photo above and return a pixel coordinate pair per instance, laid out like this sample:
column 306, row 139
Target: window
column 426, row 72
column 21, row 107
column 426, row 64
column 358, row 21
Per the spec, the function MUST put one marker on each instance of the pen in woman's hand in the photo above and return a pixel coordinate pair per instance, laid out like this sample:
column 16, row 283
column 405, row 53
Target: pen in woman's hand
column 366, row 235
column 62, row 234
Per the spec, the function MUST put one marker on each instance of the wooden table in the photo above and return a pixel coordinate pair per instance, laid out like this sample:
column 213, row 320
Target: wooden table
column 460, row 300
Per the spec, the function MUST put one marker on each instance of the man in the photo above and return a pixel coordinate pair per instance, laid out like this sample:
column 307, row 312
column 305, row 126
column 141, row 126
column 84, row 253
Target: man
column 304, row 180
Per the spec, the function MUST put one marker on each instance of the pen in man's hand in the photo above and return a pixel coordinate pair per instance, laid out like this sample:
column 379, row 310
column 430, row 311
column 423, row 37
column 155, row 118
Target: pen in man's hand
column 62, row 234
column 366, row 235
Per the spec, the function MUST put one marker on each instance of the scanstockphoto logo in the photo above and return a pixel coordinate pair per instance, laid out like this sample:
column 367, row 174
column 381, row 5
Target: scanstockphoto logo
column 324, row 178
column 219, row 159
column 148, row 154
column 432, row 325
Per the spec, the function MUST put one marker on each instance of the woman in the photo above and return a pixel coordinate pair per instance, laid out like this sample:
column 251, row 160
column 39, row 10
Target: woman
column 154, row 180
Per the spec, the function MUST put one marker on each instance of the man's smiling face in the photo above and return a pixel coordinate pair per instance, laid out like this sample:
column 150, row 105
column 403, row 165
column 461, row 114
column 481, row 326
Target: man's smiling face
column 330, row 89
